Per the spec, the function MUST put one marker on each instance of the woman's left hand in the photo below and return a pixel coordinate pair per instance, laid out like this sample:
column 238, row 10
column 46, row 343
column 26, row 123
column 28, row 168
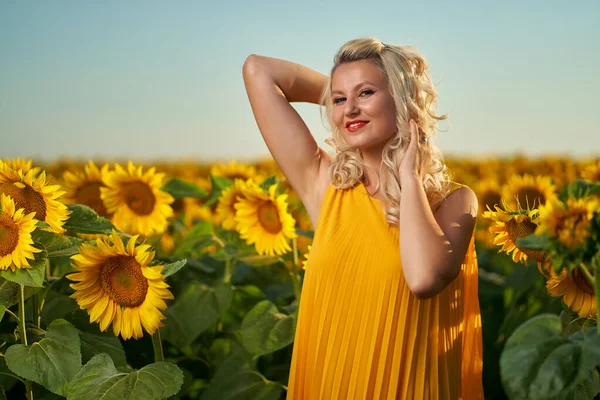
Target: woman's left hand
column 411, row 161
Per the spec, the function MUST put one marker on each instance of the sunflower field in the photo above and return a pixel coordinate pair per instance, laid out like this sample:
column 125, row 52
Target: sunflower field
column 182, row 279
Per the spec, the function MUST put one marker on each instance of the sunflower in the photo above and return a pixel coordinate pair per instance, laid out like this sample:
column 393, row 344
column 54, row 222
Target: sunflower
column 84, row 187
column 116, row 285
column 262, row 219
column 22, row 164
column 508, row 227
column 528, row 192
column 233, row 171
column 570, row 222
column 194, row 209
column 488, row 193
column 591, row 173
column 34, row 194
column 136, row 201
column 576, row 291
column 226, row 206
column 16, row 244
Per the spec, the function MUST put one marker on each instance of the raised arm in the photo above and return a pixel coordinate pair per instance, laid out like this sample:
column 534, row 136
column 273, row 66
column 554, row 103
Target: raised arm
column 272, row 84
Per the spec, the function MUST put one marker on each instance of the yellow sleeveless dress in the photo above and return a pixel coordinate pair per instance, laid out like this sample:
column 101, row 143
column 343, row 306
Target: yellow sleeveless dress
column 362, row 334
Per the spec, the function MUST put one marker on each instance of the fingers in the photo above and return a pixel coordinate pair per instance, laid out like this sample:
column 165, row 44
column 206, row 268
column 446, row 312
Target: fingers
column 414, row 133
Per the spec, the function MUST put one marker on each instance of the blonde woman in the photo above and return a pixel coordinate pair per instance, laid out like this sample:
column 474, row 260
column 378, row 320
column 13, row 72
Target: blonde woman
column 389, row 306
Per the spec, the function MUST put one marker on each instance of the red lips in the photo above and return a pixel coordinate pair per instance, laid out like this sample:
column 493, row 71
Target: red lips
column 355, row 121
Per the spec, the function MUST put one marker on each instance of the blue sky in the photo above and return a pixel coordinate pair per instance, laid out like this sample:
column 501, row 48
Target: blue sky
column 155, row 79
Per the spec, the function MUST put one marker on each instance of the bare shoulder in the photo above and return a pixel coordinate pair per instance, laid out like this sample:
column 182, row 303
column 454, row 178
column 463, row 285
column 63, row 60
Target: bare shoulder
column 456, row 216
column 461, row 199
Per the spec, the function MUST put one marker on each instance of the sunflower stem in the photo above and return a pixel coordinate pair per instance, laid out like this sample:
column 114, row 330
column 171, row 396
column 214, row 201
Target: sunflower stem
column 227, row 277
column 13, row 314
column 157, row 346
column 294, row 273
column 48, row 273
column 597, row 294
column 23, row 332
column 36, row 310
column 587, row 273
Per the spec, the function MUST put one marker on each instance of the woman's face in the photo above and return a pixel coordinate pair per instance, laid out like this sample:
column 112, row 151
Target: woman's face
column 363, row 108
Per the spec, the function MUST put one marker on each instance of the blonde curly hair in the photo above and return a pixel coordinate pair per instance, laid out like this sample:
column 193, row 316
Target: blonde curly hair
column 415, row 97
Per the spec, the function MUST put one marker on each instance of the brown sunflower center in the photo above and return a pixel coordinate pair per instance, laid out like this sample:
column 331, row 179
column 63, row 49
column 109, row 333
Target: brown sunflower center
column 177, row 206
column 531, row 196
column 89, row 194
column 519, row 229
column 123, row 280
column 582, row 282
column 139, row 197
column 25, row 197
column 234, row 176
column 268, row 216
column 522, row 229
column 9, row 235
column 490, row 198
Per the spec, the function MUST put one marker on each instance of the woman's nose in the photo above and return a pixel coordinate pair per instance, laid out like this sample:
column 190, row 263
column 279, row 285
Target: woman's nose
column 351, row 107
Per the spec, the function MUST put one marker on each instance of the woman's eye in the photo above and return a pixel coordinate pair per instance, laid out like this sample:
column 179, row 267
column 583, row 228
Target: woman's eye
column 368, row 91
column 338, row 100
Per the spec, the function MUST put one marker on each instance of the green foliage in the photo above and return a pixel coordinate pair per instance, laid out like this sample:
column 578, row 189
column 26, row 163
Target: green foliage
column 99, row 379
column 539, row 362
column 171, row 268
column 92, row 344
column 266, row 330
column 195, row 310
column 10, row 292
column 219, row 184
column 51, row 362
column 533, row 242
column 83, row 219
column 57, row 245
column 268, row 182
column 32, row 276
column 199, row 237
column 236, row 379
column 179, row 189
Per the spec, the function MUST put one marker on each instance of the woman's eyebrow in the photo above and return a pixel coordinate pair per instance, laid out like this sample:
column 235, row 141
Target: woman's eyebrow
column 360, row 84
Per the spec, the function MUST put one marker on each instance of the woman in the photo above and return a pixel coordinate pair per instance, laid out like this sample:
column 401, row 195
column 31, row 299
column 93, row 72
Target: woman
column 389, row 306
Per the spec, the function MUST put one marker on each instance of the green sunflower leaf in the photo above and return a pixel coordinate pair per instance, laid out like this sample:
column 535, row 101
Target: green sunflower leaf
column 57, row 245
column 170, row 269
column 308, row 234
column 51, row 362
column 179, row 189
column 533, row 242
column 43, row 225
column 539, row 362
column 84, row 219
column 32, row 276
column 219, row 184
column 93, row 344
column 267, row 183
column 11, row 291
column 265, row 330
column 205, row 303
column 99, row 379
column 237, row 380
